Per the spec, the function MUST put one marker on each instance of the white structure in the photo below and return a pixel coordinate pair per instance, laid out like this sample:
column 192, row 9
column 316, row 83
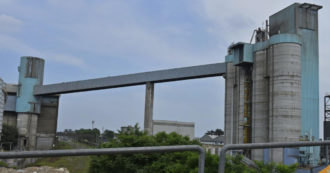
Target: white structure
column 182, row 128
column 212, row 143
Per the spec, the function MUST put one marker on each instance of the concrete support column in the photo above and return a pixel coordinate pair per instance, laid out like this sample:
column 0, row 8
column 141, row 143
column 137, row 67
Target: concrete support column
column 148, row 109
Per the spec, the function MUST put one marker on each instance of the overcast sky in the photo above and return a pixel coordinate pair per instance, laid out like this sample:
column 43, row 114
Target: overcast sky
column 88, row 39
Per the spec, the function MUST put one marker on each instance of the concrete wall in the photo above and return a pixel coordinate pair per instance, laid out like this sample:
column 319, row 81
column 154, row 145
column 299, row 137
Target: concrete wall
column 47, row 122
column 182, row 128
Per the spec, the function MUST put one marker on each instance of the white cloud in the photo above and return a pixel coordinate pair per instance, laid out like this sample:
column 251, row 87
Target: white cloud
column 9, row 24
column 18, row 46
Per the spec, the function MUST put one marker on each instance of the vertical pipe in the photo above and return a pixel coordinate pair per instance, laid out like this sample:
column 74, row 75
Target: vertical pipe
column 201, row 160
column 148, row 109
column 222, row 160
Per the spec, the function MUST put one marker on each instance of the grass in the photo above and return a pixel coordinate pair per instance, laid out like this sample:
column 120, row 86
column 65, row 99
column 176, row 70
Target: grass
column 75, row 164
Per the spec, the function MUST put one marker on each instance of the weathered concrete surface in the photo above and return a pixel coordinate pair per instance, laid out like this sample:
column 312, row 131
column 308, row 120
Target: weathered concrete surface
column 285, row 94
column 229, row 104
column 149, row 106
column 260, row 102
column 27, row 130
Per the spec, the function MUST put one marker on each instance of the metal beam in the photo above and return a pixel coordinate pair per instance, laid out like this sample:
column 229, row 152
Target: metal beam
column 222, row 157
column 108, row 151
column 169, row 75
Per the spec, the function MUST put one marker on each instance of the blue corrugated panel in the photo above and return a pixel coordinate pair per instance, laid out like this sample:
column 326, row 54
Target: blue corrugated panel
column 310, row 86
column 26, row 101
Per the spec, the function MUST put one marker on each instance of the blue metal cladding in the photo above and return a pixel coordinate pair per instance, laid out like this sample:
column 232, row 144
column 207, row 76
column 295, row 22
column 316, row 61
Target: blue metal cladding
column 310, row 87
column 26, row 101
column 240, row 53
column 302, row 20
column 249, row 49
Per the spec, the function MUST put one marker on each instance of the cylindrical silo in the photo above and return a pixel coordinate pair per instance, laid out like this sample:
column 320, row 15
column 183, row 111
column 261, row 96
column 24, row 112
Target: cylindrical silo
column 238, row 104
column 260, row 102
column 31, row 72
column 285, row 95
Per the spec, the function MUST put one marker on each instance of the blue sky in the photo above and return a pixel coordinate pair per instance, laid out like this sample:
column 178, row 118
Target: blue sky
column 87, row 39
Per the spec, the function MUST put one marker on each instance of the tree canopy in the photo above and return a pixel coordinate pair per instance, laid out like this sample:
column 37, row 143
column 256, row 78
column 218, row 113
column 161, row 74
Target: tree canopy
column 178, row 162
column 217, row 132
column 9, row 136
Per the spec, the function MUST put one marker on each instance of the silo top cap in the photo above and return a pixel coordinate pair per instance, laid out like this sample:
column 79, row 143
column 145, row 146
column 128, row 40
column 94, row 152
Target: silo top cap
column 32, row 57
column 310, row 6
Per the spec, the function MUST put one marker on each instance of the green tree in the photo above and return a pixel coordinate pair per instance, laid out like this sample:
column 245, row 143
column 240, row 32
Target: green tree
column 217, row 132
column 9, row 136
column 108, row 134
column 178, row 162
column 88, row 135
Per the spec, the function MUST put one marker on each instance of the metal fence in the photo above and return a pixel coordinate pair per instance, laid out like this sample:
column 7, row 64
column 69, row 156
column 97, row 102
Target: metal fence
column 159, row 149
column 222, row 159
column 103, row 151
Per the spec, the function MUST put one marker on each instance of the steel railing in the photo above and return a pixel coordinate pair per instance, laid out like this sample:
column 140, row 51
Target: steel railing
column 103, row 151
column 222, row 159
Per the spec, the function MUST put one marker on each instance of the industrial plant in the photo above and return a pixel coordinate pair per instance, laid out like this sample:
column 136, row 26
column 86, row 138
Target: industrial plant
column 272, row 86
column 271, row 91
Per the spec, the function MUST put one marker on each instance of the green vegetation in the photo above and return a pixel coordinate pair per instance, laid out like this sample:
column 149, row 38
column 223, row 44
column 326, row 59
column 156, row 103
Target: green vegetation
column 9, row 137
column 88, row 135
column 234, row 165
column 178, row 162
column 108, row 134
column 217, row 132
column 3, row 164
column 75, row 164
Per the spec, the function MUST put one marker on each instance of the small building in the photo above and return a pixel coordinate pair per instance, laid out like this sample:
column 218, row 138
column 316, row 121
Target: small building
column 182, row 128
column 212, row 143
column 125, row 129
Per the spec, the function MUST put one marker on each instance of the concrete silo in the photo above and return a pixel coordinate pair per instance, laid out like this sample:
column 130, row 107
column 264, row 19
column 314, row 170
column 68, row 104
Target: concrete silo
column 31, row 72
column 272, row 85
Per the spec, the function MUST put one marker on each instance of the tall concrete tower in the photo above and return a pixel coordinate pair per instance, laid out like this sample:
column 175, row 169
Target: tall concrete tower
column 31, row 72
column 272, row 86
